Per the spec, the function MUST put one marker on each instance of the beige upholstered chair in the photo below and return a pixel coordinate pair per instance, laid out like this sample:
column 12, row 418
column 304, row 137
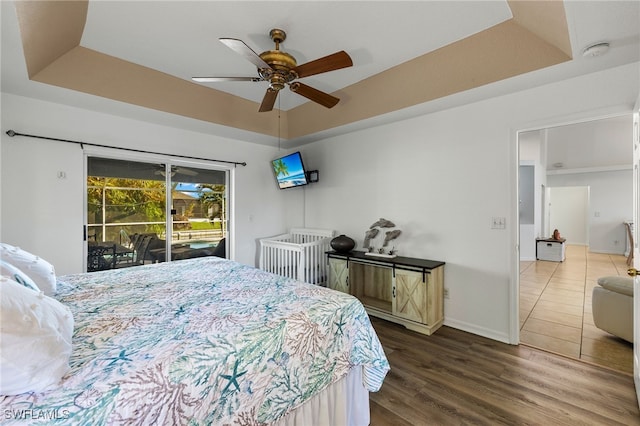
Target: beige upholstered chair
column 612, row 305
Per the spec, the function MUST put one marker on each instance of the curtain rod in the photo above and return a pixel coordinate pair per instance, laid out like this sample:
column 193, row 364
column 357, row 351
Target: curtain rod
column 12, row 133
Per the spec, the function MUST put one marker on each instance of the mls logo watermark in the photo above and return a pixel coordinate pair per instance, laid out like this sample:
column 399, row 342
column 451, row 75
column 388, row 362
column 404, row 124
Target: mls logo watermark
column 29, row 414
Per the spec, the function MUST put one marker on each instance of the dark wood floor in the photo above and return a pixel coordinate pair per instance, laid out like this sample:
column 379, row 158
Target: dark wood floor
column 457, row 378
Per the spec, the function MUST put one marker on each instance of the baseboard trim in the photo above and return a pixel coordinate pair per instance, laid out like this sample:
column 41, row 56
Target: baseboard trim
column 474, row 329
column 607, row 252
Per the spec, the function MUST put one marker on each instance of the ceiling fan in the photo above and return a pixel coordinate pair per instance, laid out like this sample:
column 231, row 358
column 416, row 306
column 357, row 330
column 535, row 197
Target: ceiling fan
column 280, row 68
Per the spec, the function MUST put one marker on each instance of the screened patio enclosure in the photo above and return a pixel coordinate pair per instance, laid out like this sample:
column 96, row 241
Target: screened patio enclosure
column 140, row 212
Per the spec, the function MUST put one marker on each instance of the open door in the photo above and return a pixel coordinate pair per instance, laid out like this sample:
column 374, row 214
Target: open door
column 636, row 251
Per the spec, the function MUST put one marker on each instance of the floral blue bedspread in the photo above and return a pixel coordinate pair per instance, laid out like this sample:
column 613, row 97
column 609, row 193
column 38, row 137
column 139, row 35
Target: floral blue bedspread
column 200, row 341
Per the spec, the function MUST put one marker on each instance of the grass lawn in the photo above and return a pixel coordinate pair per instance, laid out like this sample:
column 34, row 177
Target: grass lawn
column 198, row 226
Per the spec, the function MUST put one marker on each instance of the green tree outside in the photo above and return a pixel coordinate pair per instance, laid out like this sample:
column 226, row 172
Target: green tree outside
column 126, row 200
column 138, row 200
column 280, row 168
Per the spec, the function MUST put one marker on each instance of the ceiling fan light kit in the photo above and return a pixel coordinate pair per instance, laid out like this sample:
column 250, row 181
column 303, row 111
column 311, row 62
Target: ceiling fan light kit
column 280, row 68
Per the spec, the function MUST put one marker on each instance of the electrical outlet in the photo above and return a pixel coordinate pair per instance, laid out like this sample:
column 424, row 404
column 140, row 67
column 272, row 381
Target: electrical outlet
column 446, row 293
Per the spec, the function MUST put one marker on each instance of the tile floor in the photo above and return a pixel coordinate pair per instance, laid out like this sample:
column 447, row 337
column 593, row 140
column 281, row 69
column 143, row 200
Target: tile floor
column 555, row 308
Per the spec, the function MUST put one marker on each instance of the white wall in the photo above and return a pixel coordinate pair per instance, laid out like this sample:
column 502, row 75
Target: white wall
column 610, row 204
column 43, row 214
column 568, row 213
column 443, row 176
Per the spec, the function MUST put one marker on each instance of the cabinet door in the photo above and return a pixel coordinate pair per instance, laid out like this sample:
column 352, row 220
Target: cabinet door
column 410, row 296
column 338, row 275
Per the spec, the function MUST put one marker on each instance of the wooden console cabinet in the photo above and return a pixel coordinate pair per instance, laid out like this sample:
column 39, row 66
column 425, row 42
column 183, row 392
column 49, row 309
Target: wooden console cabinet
column 403, row 290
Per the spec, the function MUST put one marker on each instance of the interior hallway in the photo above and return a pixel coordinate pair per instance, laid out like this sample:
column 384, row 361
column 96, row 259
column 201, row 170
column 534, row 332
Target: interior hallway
column 555, row 308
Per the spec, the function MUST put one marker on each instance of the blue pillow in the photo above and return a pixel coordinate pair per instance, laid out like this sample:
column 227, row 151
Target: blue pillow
column 8, row 270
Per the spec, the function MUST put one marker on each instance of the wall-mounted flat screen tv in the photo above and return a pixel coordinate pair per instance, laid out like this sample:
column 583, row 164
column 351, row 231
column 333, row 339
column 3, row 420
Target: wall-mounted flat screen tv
column 289, row 171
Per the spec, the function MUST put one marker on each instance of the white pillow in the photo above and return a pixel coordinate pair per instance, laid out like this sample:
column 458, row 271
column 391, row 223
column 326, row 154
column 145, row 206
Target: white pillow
column 35, row 343
column 10, row 271
column 40, row 271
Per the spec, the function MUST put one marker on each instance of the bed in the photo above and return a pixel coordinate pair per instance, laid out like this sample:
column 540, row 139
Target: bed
column 299, row 254
column 208, row 341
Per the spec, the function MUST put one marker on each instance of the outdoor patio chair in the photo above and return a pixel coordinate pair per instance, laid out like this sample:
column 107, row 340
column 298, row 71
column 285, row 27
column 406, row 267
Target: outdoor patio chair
column 221, row 249
column 142, row 248
column 100, row 257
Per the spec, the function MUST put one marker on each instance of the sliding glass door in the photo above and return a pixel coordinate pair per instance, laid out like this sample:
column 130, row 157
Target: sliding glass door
column 199, row 213
column 140, row 213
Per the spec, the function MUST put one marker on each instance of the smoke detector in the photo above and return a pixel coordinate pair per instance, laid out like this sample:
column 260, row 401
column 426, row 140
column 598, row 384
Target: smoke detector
column 594, row 50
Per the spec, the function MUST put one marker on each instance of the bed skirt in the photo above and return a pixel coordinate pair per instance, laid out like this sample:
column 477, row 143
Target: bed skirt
column 345, row 402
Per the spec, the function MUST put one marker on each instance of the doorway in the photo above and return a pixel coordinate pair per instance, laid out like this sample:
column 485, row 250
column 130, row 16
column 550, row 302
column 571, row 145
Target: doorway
column 583, row 168
column 146, row 212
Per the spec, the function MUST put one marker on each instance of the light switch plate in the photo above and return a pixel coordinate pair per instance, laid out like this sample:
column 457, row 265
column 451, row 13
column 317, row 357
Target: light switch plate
column 498, row 222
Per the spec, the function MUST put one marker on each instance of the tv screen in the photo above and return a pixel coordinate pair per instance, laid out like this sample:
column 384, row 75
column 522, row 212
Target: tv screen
column 289, row 171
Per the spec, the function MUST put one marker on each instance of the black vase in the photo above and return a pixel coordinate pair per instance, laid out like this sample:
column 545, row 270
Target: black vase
column 342, row 244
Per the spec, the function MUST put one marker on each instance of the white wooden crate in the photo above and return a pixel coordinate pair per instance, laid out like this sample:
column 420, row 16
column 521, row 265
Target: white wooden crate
column 551, row 250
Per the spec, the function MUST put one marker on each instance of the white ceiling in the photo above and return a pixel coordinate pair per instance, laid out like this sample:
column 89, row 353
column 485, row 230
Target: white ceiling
column 602, row 144
column 180, row 38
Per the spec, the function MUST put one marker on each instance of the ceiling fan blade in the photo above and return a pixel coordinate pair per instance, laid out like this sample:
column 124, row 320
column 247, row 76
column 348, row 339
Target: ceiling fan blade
column 331, row 62
column 214, row 79
column 185, row 171
column 269, row 100
column 315, row 95
column 241, row 48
